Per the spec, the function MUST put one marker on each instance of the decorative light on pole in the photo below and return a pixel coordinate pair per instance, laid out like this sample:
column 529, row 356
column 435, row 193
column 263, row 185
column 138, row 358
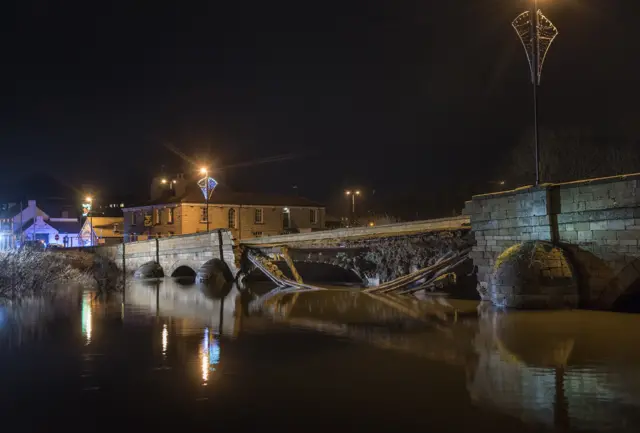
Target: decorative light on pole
column 536, row 33
column 207, row 185
column 89, row 200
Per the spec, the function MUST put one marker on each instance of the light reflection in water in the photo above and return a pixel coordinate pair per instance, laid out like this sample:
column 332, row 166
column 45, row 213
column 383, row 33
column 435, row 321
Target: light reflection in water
column 209, row 354
column 86, row 316
column 165, row 338
column 204, row 357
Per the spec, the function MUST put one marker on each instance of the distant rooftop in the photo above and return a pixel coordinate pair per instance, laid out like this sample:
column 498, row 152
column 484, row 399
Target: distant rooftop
column 224, row 196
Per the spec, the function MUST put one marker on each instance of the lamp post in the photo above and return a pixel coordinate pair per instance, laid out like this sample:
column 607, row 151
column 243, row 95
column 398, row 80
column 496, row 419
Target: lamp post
column 536, row 33
column 204, row 171
column 353, row 195
column 89, row 200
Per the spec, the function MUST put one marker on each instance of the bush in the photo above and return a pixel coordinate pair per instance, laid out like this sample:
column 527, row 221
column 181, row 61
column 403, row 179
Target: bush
column 27, row 273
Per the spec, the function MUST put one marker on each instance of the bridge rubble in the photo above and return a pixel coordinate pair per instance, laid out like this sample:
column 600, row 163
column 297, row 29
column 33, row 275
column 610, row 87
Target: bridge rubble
column 387, row 261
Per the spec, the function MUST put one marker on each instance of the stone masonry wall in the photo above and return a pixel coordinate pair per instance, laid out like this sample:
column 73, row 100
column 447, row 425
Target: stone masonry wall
column 186, row 250
column 597, row 221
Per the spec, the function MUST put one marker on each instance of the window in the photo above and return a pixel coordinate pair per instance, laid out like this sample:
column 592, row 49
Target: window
column 133, row 218
column 313, row 216
column 170, row 215
column 203, row 215
column 116, row 230
column 232, row 218
column 156, row 216
column 258, row 216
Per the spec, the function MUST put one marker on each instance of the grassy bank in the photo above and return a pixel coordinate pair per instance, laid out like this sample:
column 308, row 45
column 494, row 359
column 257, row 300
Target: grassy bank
column 27, row 273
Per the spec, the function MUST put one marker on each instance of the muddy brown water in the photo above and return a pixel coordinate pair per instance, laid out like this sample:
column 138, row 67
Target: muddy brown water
column 173, row 356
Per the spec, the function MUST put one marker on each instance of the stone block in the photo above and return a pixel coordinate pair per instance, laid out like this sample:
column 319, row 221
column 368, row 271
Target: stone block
column 585, row 196
column 615, row 225
column 599, row 225
column 604, row 234
column 628, row 242
column 582, row 226
column 628, row 234
column 568, row 236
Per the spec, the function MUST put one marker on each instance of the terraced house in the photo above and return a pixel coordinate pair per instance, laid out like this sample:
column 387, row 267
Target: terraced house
column 178, row 211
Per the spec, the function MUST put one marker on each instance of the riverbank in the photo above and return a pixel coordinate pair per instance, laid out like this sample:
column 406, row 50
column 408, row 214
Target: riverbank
column 27, row 273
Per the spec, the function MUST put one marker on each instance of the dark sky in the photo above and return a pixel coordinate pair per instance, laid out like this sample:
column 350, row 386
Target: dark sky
column 417, row 100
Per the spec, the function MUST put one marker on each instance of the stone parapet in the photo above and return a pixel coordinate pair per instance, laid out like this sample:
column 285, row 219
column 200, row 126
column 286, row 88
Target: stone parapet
column 597, row 221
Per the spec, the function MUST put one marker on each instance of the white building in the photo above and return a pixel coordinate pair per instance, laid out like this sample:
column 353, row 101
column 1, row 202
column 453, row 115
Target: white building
column 33, row 223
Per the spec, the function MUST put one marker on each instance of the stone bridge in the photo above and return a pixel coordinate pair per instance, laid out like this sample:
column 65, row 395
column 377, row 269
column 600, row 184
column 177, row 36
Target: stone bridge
column 596, row 224
column 216, row 255
column 592, row 225
column 206, row 255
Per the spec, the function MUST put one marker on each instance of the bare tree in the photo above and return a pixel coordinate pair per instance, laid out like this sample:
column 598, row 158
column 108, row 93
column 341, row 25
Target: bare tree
column 572, row 154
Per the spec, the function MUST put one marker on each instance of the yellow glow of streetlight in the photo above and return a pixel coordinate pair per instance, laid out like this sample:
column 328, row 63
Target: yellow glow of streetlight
column 163, row 181
column 203, row 170
column 89, row 198
column 347, row 192
column 357, row 192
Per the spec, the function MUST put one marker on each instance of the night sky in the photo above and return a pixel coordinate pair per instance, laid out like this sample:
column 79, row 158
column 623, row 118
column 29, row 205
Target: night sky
column 417, row 100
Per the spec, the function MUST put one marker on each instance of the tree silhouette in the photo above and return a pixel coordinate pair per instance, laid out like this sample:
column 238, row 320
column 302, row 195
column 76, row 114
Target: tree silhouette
column 573, row 154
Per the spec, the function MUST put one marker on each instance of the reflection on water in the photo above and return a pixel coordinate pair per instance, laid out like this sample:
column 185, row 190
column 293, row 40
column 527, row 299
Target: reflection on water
column 333, row 350
column 165, row 339
column 86, row 315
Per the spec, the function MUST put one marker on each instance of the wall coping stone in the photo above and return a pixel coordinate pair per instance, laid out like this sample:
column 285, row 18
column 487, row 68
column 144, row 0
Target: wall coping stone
column 563, row 185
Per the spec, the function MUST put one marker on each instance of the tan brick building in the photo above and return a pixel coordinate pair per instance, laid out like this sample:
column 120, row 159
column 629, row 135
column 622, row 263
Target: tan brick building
column 247, row 215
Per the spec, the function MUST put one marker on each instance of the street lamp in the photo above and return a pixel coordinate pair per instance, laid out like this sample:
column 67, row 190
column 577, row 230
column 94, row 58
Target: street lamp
column 536, row 33
column 89, row 200
column 353, row 195
column 205, row 172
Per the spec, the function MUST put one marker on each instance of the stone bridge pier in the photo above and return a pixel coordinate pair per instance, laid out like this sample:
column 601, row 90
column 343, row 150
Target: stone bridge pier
column 202, row 255
column 595, row 223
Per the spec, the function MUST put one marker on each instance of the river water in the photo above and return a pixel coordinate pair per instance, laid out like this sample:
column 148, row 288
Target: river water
column 172, row 356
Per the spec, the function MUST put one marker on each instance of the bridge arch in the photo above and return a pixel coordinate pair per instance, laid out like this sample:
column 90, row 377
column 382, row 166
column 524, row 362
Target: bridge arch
column 214, row 272
column 183, row 271
column 628, row 287
column 149, row 270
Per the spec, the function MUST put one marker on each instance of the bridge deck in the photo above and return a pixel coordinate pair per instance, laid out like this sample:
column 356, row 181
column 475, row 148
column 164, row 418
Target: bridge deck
column 409, row 228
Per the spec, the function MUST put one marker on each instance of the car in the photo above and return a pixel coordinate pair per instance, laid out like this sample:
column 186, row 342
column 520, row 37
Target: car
column 33, row 245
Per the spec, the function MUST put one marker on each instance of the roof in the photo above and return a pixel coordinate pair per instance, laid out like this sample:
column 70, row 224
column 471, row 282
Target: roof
column 222, row 196
column 65, row 226
column 10, row 213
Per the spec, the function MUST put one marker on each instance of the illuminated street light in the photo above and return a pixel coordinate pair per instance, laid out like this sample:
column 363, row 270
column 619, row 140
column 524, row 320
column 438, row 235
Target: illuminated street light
column 353, row 195
column 536, row 33
column 163, row 181
column 206, row 184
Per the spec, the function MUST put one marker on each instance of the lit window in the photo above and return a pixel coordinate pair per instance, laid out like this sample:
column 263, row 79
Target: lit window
column 156, row 216
column 313, row 216
column 170, row 215
column 258, row 216
column 115, row 228
column 232, row 218
column 203, row 214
